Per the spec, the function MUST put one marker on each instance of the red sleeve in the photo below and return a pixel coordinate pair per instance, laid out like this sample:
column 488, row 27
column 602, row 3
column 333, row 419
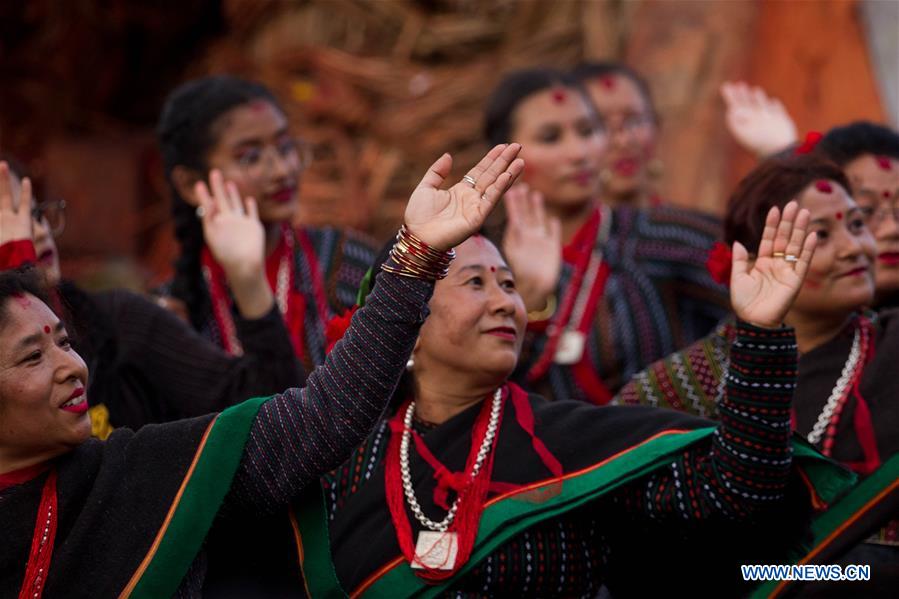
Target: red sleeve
column 14, row 254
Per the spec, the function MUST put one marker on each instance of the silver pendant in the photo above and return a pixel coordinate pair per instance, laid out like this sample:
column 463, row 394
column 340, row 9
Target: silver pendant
column 571, row 348
column 436, row 550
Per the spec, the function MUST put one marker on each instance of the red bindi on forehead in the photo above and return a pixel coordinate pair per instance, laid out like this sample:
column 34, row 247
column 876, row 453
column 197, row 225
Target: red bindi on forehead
column 492, row 269
column 608, row 82
column 258, row 105
column 823, row 186
column 22, row 300
column 886, row 194
column 839, row 216
column 884, row 162
column 559, row 96
column 47, row 329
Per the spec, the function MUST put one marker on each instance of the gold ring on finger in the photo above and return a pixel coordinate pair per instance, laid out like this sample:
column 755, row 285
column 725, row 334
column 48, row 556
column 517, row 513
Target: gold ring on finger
column 778, row 255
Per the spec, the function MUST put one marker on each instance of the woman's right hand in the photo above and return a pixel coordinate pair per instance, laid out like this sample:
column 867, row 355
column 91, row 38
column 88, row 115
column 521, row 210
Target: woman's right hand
column 758, row 122
column 15, row 216
column 445, row 218
column 236, row 238
column 532, row 243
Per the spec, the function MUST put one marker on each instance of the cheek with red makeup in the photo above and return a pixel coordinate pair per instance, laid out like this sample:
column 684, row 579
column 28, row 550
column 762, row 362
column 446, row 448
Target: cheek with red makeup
column 811, row 283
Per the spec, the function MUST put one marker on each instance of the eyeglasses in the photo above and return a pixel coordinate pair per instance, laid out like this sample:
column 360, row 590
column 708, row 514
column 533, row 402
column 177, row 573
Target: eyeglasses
column 51, row 212
column 627, row 124
column 253, row 159
column 877, row 215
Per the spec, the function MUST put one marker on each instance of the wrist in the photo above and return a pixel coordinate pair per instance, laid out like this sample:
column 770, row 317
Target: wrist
column 252, row 294
column 412, row 257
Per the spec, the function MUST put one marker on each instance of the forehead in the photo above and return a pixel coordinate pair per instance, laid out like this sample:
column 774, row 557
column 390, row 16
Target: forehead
column 258, row 119
column 869, row 171
column 616, row 93
column 477, row 250
column 821, row 204
column 558, row 104
column 25, row 315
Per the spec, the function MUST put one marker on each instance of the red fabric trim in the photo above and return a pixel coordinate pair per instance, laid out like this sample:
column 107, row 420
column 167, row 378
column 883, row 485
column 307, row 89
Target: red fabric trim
column 14, row 254
column 42, row 542
column 22, row 475
column 525, row 416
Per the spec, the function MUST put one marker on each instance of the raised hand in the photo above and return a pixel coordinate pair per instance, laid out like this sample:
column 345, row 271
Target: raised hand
column 759, row 123
column 236, row 238
column 445, row 218
column 15, row 213
column 762, row 291
column 532, row 243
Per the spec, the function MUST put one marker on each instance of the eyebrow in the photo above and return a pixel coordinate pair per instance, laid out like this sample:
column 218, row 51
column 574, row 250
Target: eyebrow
column 32, row 339
column 255, row 141
column 481, row 267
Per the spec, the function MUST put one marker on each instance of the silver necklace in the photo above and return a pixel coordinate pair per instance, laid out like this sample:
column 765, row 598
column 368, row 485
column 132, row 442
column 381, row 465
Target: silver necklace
column 436, row 548
column 838, row 390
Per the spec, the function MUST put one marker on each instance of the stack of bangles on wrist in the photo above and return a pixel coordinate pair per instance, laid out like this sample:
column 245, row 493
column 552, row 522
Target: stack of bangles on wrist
column 412, row 257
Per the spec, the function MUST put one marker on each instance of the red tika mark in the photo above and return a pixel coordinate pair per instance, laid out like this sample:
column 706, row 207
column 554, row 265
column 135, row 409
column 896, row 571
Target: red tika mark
column 258, row 105
column 47, row 329
column 607, row 82
column 884, row 163
column 559, row 96
column 823, row 186
column 492, row 269
column 886, row 194
column 839, row 216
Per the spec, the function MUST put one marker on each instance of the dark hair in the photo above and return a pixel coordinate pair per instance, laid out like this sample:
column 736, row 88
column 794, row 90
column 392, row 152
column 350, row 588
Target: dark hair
column 774, row 182
column 844, row 144
column 599, row 69
column 19, row 282
column 186, row 134
column 513, row 90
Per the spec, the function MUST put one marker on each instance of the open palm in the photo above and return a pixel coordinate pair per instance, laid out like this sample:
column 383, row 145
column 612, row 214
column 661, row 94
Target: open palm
column 231, row 226
column 762, row 291
column 15, row 213
column 758, row 122
column 445, row 218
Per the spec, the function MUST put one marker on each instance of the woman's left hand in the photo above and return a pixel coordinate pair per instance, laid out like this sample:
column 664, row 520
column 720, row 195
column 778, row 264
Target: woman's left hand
column 15, row 216
column 762, row 291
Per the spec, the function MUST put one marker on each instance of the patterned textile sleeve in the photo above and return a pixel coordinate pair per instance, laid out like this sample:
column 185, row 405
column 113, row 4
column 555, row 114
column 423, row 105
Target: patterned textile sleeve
column 691, row 380
column 345, row 256
column 303, row 433
column 749, row 463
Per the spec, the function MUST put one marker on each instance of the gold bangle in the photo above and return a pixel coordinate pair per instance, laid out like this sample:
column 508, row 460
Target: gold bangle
column 546, row 313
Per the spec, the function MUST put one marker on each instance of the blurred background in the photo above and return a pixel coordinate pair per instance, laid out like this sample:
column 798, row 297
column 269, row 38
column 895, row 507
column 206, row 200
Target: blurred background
column 383, row 87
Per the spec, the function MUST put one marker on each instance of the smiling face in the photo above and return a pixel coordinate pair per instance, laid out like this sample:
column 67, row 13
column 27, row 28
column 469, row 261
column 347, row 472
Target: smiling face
column 43, row 406
column 840, row 277
column 631, row 128
column 477, row 319
column 875, row 185
column 561, row 146
column 255, row 150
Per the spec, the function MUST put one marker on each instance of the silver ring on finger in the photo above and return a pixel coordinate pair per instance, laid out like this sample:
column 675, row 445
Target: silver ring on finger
column 201, row 212
column 791, row 258
column 484, row 196
column 469, row 179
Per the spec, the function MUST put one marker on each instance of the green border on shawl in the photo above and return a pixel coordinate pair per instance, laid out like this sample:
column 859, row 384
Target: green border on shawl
column 508, row 517
column 854, row 502
column 317, row 566
column 203, row 495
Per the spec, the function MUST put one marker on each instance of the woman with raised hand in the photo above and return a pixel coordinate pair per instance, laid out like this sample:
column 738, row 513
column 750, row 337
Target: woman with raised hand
column 847, row 391
column 147, row 365
column 471, row 487
column 128, row 517
column 629, row 284
column 237, row 126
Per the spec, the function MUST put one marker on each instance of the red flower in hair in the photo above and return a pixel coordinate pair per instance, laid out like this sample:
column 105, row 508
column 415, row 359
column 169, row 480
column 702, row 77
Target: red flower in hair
column 811, row 140
column 337, row 326
column 719, row 263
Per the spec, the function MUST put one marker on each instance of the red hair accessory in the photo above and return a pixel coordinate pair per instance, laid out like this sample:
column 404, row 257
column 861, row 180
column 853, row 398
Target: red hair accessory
column 337, row 327
column 823, row 186
column 719, row 263
column 811, row 140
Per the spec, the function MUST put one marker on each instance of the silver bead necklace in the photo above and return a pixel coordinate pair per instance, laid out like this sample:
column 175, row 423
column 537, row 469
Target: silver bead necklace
column 838, row 390
column 406, row 474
